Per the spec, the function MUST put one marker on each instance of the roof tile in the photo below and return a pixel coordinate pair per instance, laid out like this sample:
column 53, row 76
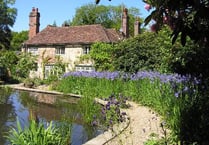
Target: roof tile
column 84, row 34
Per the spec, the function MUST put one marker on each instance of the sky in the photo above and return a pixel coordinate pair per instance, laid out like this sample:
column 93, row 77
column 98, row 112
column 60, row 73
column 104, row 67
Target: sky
column 61, row 10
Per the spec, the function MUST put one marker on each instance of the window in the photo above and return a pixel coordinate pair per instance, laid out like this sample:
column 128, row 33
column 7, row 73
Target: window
column 48, row 70
column 84, row 68
column 86, row 49
column 33, row 50
column 60, row 50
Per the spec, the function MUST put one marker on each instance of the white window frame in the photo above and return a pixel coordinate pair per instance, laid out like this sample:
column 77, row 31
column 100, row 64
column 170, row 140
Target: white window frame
column 33, row 50
column 87, row 68
column 48, row 70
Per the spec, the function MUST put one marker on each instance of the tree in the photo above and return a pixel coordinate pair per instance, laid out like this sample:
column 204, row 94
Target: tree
column 186, row 18
column 154, row 51
column 108, row 16
column 17, row 39
column 143, row 52
column 7, row 19
column 8, row 60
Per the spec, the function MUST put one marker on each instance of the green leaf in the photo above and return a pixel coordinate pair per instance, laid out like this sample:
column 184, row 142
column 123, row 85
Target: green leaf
column 19, row 128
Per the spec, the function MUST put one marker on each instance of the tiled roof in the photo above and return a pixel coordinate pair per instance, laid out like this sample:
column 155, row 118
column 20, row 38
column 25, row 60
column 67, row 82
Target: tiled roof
column 85, row 34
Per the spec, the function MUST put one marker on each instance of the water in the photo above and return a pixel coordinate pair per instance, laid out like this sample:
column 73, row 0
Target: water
column 21, row 105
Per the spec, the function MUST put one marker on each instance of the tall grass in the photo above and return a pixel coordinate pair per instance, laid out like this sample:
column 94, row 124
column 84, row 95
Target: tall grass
column 37, row 134
column 169, row 94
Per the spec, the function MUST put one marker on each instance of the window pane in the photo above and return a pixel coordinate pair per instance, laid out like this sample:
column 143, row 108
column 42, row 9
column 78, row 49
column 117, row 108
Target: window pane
column 86, row 50
column 60, row 50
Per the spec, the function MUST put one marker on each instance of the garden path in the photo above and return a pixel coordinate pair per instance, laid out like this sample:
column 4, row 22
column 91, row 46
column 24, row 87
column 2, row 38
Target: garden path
column 143, row 123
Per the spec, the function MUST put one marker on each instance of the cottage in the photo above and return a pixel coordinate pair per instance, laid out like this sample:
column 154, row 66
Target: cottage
column 68, row 43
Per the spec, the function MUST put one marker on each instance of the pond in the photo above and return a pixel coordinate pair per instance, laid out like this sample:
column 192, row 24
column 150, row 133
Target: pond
column 15, row 104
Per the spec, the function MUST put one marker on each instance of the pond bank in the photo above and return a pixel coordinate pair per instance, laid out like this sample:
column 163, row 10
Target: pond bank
column 38, row 90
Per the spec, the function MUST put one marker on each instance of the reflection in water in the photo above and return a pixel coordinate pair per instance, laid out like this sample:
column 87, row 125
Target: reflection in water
column 44, row 107
column 77, row 134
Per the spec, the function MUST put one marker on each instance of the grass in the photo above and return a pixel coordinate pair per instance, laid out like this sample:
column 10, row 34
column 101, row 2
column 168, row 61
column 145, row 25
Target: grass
column 37, row 134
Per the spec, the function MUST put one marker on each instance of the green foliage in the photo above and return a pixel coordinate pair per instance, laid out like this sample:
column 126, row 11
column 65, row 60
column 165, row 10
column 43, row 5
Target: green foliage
column 84, row 85
column 194, row 120
column 154, row 51
column 190, row 59
column 59, row 67
column 102, row 54
column 28, row 82
column 50, row 79
column 7, row 19
column 111, row 111
column 45, row 59
column 17, row 65
column 154, row 140
column 26, row 63
column 186, row 18
column 108, row 16
column 3, row 74
column 8, row 60
column 88, row 108
column 147, row 51
column 17, row 39
column 37, row 134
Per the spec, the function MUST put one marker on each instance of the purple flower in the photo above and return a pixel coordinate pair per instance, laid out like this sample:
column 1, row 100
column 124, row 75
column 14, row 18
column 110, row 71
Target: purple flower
column 111, row 122
column 103, row 110
column 176, row 94
column 108, row 106
column 94, row 123
column 186, row 89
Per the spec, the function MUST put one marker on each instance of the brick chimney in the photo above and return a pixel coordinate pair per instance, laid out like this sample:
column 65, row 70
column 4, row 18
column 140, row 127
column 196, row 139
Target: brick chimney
column 34, row 22
column 137, row 25
column 125, row 23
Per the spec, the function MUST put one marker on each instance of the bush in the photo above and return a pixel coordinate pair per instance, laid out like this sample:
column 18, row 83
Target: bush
column 28, row 82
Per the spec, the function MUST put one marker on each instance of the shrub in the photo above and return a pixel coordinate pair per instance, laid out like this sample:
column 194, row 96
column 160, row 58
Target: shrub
column 28, row 82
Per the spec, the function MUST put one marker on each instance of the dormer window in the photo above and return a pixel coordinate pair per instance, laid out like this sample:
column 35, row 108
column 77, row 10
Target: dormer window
column 86, row 49
column 33, row 50
column 60, row 50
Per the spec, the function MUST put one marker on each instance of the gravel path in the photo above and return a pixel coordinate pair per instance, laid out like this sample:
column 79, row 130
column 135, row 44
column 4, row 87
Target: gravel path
column 143, row 122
